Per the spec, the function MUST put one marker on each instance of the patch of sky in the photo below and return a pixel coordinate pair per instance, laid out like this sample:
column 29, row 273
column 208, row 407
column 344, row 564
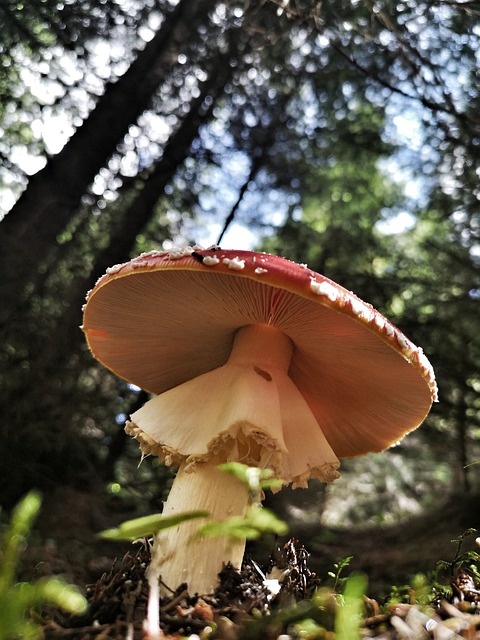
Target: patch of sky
column 409, row 166
column 247, row 229
column 120, row 418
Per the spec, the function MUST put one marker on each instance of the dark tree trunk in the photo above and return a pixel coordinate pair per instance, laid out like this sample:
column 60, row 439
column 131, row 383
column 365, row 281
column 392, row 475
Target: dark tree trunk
column 28, row 233
column 139, row 213
column 462, row 421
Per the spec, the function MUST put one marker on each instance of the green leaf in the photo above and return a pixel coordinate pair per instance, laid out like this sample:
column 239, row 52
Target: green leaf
column 16, row 535
column 256, row 522
column 149, row 525
column 254, row 478
column 350, row 610
column 49, row 590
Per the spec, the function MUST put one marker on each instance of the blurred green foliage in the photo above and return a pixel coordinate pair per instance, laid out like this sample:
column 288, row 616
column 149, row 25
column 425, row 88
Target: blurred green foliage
column 20, row 600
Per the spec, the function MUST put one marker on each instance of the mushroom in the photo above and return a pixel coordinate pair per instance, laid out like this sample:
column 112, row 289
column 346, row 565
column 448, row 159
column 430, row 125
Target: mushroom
column 252, row 358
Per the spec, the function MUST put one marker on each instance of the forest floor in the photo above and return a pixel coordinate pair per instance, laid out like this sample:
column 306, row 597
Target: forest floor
column 388, row 556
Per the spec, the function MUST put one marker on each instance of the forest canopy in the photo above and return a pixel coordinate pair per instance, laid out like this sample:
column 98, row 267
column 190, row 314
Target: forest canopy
column 342, row 135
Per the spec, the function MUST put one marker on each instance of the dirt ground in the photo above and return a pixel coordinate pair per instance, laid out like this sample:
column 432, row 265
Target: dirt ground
column 112, row 574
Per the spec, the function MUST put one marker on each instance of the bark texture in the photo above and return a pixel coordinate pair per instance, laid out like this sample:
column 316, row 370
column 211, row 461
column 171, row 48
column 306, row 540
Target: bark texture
column 29, row 231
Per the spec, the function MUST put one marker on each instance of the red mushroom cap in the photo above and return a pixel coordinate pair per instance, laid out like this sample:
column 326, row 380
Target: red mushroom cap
column 167, row 317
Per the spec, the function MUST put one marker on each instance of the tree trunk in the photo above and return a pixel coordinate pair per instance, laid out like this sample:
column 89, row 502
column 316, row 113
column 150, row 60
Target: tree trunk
column 133, row 220
column 29, row 231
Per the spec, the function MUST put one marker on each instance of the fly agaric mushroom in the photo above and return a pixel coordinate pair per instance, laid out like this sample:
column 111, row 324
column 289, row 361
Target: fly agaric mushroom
column 256, row 359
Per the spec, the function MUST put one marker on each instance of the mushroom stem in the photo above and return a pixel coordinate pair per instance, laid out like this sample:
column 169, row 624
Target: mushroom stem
column 179, row 555
column 263, row 346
